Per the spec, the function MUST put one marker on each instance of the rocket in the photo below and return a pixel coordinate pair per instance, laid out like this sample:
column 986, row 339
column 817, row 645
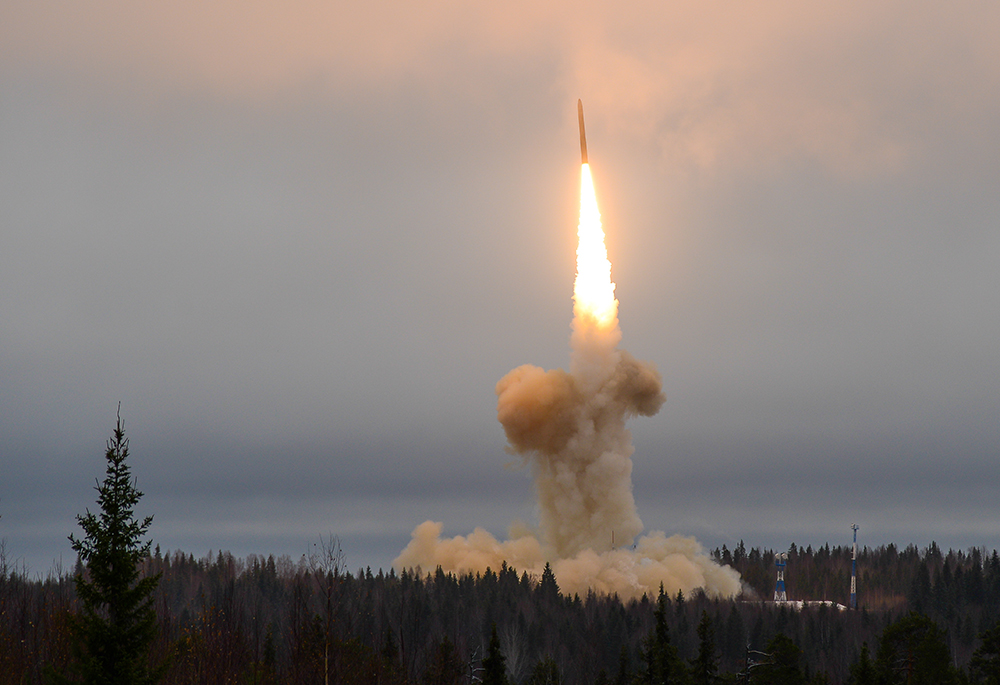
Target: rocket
column 583, row 134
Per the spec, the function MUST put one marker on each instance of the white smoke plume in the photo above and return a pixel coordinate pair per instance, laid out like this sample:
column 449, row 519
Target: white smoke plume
column 569, row 427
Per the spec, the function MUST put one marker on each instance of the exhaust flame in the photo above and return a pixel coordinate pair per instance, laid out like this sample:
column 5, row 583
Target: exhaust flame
column 594, row 291
column 569, row 427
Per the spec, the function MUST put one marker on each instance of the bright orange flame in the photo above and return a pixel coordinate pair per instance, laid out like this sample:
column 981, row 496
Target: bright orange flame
column 594, row 291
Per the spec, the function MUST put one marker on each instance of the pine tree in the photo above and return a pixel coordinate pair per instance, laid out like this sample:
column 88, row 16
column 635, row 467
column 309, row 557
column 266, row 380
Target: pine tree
column 115, row 629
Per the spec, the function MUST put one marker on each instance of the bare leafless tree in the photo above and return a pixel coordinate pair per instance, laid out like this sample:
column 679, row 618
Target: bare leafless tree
column 514, row 646
column 327, row 562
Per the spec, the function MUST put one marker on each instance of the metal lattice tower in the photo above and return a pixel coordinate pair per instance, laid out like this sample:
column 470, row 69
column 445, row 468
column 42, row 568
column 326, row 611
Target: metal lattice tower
column 854, row 568
column 779, row 587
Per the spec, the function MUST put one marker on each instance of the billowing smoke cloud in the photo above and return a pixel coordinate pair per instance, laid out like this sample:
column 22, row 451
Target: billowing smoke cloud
column 570, row 430
column 678, row 562
column 569, row 427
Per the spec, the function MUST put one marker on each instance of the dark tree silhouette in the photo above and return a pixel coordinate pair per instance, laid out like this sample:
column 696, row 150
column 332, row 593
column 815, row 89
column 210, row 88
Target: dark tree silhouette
column 624, row 676
column 546, row 672
column 985, row 664
column 662, row 664
column 863, row 671
column 215, row 614
column 445, row 667
column 117, row 625
column 494, row 665
column 913, row 651
column 705, row 665
column 783, row 667
column 548, row 589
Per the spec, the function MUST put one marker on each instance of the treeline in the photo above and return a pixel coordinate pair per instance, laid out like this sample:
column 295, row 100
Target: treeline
column 888, row 577
column 265, row 620
column 959, row 591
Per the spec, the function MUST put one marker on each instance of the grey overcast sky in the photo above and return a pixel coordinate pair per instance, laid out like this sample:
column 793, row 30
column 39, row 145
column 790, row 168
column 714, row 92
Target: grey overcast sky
column 301, row 242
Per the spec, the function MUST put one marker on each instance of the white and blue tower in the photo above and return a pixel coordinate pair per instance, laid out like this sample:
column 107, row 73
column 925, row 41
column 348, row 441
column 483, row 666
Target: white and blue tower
column 779, row 587
column 854, row 568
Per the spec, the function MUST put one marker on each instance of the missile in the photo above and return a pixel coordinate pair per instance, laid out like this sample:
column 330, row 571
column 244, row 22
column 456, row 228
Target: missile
column 583, row 134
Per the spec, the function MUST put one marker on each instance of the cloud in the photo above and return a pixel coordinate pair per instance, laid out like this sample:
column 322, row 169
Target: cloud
column 851, row 87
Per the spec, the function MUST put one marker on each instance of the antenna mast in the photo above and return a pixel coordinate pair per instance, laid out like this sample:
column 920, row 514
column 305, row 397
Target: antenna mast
column 854, row 568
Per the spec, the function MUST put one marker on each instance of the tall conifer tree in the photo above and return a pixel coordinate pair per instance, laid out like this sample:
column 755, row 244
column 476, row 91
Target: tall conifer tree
column 115, row 629
column 663, row 667
column 705, row 666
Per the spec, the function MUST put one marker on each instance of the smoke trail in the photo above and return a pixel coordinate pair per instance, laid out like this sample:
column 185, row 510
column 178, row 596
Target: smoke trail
column 569, row 427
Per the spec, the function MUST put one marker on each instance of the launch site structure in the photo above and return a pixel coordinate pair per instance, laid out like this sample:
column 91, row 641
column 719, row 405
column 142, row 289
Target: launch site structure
column 779, row 586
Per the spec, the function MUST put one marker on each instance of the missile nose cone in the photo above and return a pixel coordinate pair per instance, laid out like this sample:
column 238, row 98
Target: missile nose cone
column 583, row 133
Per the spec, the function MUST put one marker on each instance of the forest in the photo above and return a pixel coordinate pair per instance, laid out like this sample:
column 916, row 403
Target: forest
column 924, row 615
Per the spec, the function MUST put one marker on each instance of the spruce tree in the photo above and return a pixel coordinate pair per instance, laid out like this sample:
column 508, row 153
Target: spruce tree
column 663, row 667
column 863, row 670
column 115, row 629
column 548, row 589
column 495, row 664
column 624, row 676
column 705, row 666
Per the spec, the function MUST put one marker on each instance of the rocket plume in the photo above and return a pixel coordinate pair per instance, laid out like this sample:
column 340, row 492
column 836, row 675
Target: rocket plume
column 569, row 427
